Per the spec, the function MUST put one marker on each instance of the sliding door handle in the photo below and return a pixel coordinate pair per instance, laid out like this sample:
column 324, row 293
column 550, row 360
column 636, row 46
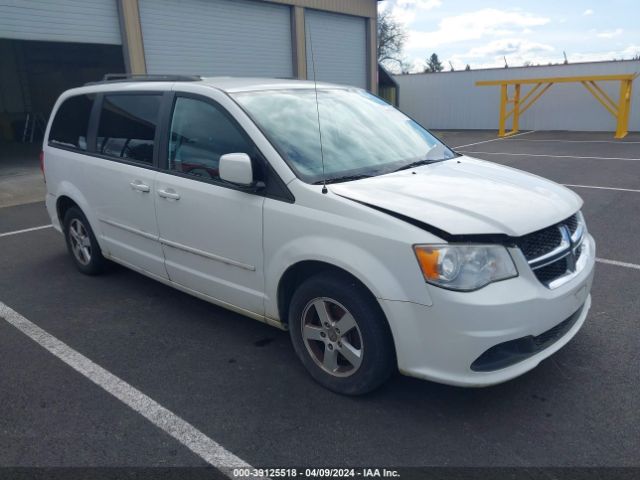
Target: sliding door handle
column 140, row 187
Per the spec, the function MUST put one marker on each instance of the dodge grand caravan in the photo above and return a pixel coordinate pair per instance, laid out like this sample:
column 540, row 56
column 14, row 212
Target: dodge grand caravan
column 327, row 213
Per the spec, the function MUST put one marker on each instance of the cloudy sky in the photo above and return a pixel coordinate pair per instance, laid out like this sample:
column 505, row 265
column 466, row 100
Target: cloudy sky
column 481, row 33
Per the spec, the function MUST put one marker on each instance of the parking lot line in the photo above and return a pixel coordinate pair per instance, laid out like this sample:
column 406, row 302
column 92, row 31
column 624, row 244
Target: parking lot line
column 209, row 450
column 572, row 141
column 25, row 230
column 553, row 156
column 618, row 264
column 602, row 188
column 494, row 139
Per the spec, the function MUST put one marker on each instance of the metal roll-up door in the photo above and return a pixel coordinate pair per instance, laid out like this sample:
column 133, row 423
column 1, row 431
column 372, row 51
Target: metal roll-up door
column 78, row 21
column 339, row 47
column 217, row 37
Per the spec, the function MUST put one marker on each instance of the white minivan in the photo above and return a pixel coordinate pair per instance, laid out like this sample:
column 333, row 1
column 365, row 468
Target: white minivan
column 327, row 212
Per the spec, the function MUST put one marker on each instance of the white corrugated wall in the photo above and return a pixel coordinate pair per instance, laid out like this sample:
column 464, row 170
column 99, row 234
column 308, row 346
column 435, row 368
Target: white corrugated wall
column 217, row 37
column 450, row 100
column 339, row 47
column 84, row 21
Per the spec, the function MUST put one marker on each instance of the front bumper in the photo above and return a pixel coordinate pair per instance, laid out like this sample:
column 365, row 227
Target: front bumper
column 440, row 342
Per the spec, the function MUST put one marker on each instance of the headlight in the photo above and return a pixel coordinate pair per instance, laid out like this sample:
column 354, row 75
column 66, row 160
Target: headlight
column 464, row 267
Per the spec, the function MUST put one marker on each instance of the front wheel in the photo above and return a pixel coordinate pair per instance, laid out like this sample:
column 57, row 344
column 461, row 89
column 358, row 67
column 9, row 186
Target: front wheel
column 340, row 334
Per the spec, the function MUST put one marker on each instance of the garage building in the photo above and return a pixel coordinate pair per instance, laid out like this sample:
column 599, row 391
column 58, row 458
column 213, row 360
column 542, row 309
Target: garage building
column 48, row 46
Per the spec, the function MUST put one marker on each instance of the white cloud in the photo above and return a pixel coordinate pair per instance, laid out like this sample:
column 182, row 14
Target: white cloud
column 516, row 50
column 587, row 12
column 508, row 47
column 406, row 11
column 421, row 4
column 473, row 26
column 610, row 34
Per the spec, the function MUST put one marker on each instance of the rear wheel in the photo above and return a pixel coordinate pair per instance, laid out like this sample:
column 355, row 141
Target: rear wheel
column 82, row 244
column 340, row 334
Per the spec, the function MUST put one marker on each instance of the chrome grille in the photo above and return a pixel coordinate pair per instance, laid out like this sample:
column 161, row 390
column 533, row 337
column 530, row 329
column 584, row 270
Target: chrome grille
column 541, row 242
column 553, row 252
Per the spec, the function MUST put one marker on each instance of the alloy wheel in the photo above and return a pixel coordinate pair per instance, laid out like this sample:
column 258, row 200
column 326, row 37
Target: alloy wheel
column 332, row 337
column 80, row 241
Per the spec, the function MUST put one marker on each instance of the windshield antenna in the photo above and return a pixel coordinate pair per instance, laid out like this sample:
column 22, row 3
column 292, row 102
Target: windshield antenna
column 315, row 87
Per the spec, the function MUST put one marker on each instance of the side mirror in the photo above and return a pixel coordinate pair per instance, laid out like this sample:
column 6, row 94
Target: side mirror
column 236, row 168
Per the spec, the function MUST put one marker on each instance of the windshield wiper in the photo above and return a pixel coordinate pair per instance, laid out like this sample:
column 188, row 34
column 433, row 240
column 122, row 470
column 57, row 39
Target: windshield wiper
column 418, row 163
column 346, row 178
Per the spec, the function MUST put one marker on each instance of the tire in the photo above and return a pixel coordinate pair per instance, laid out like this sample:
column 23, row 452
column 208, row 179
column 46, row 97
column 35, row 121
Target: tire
column 351, row 361
column 82, row 244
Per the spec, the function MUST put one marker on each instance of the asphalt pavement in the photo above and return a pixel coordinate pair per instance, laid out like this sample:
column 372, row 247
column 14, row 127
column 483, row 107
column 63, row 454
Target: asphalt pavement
column 238, row 381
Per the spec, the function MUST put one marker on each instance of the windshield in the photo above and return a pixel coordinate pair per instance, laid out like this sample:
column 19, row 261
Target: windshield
column 361, row 134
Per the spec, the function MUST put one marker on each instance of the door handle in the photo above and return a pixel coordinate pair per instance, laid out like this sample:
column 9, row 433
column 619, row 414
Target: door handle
column 170, row 194
column 139, row 186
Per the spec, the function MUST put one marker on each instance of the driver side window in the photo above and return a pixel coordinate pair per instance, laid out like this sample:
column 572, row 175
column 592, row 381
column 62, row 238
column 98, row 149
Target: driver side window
column 200, row 134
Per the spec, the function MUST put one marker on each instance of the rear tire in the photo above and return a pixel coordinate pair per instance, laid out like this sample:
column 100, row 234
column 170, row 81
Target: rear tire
column 340, row 334
column 82, row 244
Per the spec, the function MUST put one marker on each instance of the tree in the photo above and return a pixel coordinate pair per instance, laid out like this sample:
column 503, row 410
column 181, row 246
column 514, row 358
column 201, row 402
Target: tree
column 468, row 67
column 391, row 39
column 433, row 64
column 406, row 66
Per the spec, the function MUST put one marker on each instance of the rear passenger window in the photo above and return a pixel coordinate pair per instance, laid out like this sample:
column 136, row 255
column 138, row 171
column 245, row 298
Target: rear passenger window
column 200, row 134
column 127, row 127
column 70, row 125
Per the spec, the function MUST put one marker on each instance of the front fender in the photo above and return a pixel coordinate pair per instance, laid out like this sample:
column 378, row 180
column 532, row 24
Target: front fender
column 375, row 274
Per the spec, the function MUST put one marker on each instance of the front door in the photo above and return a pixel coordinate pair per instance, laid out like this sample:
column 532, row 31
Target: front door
column 211, row 232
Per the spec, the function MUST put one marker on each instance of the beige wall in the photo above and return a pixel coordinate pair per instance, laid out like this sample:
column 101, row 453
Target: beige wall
column 134, row 47
column 360, row 8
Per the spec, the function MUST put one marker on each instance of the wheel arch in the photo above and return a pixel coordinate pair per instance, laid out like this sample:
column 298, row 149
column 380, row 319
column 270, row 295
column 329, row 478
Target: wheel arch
column 297, row 273
column 68, row 196
column 63, row 204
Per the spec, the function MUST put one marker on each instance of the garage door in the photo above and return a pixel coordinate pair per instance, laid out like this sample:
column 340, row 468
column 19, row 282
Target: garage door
column 217, row 37
column 339, row 47
column 86, row 21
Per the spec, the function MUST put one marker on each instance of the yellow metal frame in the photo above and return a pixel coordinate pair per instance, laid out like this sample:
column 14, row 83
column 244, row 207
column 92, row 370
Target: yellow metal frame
column 521, row 104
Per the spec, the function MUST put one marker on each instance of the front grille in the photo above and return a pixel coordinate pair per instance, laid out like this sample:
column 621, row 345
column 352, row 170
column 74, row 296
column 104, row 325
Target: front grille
column 514, row 351
column 552, row 271
column 536, row 245
column 572, row 223
column 540, row 243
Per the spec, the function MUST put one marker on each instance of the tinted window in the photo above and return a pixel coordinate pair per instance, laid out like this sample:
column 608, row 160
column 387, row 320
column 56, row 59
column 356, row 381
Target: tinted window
column 70, row 125
column 128, row 126
column 200, row 134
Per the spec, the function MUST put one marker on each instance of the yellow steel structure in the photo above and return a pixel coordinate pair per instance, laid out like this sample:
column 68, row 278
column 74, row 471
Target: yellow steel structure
column 521, row 104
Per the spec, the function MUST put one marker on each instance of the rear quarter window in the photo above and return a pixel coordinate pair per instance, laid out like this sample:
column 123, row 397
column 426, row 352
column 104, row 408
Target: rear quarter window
column 71, row 123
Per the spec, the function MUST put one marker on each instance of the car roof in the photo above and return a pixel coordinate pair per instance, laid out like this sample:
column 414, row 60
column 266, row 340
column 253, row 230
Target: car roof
column 226, row 84
column 247, row 84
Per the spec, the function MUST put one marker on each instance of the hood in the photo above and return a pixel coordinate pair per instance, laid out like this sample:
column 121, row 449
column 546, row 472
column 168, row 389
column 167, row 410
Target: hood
column 467, row 196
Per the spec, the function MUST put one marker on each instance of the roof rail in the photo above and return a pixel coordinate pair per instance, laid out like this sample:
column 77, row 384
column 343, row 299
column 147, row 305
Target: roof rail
column 143, row 77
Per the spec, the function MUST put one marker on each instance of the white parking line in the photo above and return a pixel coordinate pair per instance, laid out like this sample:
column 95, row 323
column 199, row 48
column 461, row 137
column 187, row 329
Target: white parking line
column 618, row 264
column 33, row 229
column 619, row 142
column 495, row 139
column 602, row 188
column 185, row 433
column 552, row 156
